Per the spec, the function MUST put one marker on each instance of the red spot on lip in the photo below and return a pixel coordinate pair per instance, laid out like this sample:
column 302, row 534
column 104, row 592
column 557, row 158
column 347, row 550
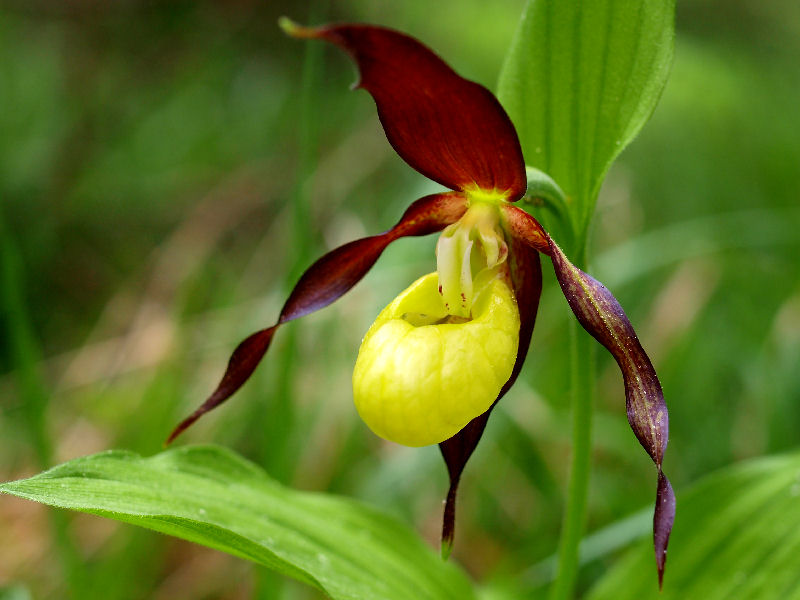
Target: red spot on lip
column 440, row 289
column 463, row 297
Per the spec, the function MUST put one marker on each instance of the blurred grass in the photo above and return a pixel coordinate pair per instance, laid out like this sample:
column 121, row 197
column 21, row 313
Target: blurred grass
column 149, row 158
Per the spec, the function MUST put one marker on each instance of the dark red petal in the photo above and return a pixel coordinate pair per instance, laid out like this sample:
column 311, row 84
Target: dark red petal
column 241, row 365
column 663, row 518
column 526, row 276
column 451, row 130
column 525, row 228
column 325, row 282
column 602, row 316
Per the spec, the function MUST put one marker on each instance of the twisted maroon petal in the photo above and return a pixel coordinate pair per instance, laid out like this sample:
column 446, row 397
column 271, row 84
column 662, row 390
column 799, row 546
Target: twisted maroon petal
column 325, row 282
column 451, row 130
column 602, row 316
column 526, row 277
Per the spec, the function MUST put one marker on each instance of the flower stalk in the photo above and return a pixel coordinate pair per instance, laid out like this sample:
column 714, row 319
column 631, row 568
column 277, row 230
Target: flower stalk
column 575, row 513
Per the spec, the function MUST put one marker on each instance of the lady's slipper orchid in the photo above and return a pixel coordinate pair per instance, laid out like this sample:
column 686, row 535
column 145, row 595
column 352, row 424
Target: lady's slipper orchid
column 440, row 356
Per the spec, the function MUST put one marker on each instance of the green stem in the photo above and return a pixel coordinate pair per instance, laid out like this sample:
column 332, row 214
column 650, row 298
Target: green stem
column 23, row 351
column 581, row 392
column 278, row 452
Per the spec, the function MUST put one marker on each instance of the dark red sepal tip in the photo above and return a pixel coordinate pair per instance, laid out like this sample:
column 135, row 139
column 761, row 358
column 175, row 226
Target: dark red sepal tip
column 663, row 520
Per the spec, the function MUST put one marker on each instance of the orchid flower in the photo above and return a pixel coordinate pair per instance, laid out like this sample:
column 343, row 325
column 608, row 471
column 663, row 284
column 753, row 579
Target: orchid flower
column 441, row 355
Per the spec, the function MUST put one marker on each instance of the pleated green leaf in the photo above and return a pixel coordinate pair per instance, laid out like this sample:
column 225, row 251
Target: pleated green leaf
column 738, row 536
column 579, row 82
column 211, row 496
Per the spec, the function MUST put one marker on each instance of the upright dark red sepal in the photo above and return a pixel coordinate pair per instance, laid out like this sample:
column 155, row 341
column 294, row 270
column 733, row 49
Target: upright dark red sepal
column 326, row 281
column 602, row 316
column 526, row 277
column 451, row 130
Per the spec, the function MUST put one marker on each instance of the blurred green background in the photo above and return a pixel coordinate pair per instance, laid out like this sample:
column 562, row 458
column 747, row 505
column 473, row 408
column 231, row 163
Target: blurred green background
column 167, row 169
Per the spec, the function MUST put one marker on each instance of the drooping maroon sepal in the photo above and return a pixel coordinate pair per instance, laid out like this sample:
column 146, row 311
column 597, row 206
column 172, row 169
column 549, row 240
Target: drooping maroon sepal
column 526, row 277
column 456, row 452
column 451, row 130
column 602, row 316
column 325, row 282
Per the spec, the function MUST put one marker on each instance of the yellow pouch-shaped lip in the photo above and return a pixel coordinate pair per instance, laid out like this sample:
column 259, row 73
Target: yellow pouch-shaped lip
column 418, row 381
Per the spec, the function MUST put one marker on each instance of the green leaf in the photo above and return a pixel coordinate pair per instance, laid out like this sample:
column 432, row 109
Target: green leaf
column 738, row 537
column 211, row 496
column 579, row 82
column 16, row 592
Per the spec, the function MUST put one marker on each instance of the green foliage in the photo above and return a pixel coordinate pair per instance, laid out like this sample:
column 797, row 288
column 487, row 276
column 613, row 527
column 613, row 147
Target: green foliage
column 737, row 537
column 211, row 496
column 14, row 593
column 579, row 82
